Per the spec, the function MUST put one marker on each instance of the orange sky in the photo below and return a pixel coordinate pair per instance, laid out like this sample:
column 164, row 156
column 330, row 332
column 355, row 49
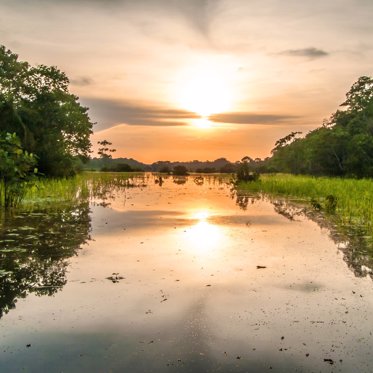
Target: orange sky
column 197, row 79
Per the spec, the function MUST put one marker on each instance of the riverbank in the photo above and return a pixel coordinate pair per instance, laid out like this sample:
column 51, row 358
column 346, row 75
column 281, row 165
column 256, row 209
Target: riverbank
column 350, row 201
column 84, row 184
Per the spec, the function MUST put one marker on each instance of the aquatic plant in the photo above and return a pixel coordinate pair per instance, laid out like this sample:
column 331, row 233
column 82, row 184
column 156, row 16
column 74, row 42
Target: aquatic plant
column 87, row 184
column 350, row 200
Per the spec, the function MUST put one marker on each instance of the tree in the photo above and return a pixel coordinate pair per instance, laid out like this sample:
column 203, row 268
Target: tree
column 165, row 170
column 35, row 103
column 105, row 152
column 180, row 171
column 342, row 146
column 123, row 167
column 286, row 140
column 246, row 171
column 360, row 94
column 17, row 168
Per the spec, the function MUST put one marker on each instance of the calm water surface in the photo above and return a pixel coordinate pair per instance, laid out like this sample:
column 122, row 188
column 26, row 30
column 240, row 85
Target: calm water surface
column 178, row 276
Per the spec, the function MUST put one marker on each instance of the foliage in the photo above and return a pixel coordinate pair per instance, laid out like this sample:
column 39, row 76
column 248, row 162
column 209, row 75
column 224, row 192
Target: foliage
column 180, row 171
column 87, row 184
column 229, row 168
column 348, row 204
column 17, row 169
column 123, row 167
column 35, row 103
column 206, row 170
column 165, row 170
column 284, row 141
column 105, row 150
column 343, row 146
column 246, row 170
column 350, row 199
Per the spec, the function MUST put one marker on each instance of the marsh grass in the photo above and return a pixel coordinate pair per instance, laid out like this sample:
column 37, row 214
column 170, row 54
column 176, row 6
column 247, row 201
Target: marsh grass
column 85, row 185
column 349, row 201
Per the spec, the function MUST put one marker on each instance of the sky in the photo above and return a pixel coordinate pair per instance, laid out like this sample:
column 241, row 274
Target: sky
column 197, row 79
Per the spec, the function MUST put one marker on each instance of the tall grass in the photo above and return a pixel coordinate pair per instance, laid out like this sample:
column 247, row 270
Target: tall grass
column 84, row 185
column 354, row 198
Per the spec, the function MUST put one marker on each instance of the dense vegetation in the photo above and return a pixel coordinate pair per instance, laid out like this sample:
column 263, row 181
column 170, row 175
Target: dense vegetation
column 17, row 169
column 36, row 105
column 343, row 146
column 348, row 201
column 221, row 165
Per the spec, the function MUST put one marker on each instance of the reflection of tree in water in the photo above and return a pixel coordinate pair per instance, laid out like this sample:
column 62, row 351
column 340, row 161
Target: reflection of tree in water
column 243, row 200
column 180, row 180
column 357, row 249
column 287, row 210
column 34, row 248
column 199, row 180
column 159, row 181
column 351, row 240
column 105, row 187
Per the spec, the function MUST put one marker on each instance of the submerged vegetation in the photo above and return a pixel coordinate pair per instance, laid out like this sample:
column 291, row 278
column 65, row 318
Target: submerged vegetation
column 47, row 228
column 339, row 155
column 349, row 201
column 84, row 185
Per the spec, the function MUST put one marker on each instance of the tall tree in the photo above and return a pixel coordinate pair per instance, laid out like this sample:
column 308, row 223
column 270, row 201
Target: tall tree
column 343, row 146
column 35, row 103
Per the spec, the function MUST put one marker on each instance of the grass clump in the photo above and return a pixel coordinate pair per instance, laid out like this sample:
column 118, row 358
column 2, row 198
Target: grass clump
column 83, row 186
column 350, row 200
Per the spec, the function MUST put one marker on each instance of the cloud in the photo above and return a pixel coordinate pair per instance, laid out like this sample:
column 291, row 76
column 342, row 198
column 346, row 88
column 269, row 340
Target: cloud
column 81, row 81
column 311, row 53
column 196, row 12
column 251, row 118
column 109, row 113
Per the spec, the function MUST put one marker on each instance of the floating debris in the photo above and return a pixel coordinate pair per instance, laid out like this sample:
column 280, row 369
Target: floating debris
column 330, row 361
column 115, row 278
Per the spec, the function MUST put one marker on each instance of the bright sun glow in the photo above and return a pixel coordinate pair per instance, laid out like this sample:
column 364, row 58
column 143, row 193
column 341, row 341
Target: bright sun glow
column 202, row 123
column 206, row 88
column 203, row 237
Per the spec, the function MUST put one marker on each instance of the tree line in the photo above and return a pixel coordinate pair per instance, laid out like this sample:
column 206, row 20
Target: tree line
column 44, row 130
column 342, row 146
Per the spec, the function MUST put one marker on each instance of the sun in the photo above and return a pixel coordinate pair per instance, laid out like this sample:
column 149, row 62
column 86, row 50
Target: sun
column 205, row 88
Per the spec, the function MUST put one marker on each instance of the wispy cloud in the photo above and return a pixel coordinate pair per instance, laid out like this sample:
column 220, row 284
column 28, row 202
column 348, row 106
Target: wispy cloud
column 109, row 113
column 81, row 81
column 310, row 53
column 196, row 12
column 251, row 118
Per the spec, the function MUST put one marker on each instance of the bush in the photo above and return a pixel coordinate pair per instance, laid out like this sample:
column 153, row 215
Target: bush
column 180, row 171
column 245, row 173
column 17, row 169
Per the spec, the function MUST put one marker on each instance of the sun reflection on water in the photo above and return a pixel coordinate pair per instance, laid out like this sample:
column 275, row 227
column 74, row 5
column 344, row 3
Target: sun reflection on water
column 204, row 237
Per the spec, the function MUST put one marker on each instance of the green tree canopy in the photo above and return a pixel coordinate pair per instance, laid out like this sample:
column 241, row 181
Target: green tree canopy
column 343, row 146
column 17, row 168
column 35, row 103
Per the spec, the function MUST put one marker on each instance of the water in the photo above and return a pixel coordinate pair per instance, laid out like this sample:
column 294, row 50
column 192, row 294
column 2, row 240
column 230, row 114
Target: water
column 178, row 276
